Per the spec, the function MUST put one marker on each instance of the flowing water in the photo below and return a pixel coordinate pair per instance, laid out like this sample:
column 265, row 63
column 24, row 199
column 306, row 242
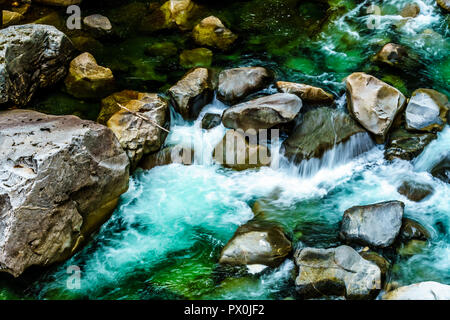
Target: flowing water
column 164, row 239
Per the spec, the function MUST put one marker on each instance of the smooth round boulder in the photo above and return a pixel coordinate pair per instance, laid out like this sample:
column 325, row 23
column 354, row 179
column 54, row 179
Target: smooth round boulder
column 426, row 111
column 256, row 243
column 337, row 271
column 212, row 33
column 373, row 103
column 237, row 83
column 98, row 25
column 60, row 179
column 87, row 80
column 415, row 191
column 406, row 145
column 307, row 93
column 263, row 113
column 428, row 290
column 375, row 225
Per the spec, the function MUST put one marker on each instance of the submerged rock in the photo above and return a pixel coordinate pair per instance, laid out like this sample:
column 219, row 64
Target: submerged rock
column 211, row 120
column 375, row 225
column 411, row 10
column 98, row 25
column 31, row 57
column 88, row 80
column 137, row 136
column 263, row 113
column 338, row 271
column 10, row 18
column 444, row 4
column 395, row 55
column 235, row 84
column 402, row 144
column 192, row 93
column 373, row 103
column 60, row 179
column 428, row 290
column 426, row 111
column 257, row 243
column 199, row 57
column 168, row 155
column 179, row 13
column 237, row 152
column 321, row 130
column 411, row 248
column 161, row 49
column 442, row 169
column 415, row 191
column 212, row 33
column 306, row 92
column 413, row 230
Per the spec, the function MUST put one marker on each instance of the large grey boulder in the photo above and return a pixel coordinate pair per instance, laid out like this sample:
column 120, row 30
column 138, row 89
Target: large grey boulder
column 32, row 56
column 375, row 225
column 426, row 111
column 337, row 271
column 373, row 103
column 320, row 130
column 428, row 290
column 235, row 84
column 263, row 113
column 60, row 179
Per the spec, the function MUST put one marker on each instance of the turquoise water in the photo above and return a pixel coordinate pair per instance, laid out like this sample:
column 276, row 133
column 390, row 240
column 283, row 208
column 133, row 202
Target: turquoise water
column 164, row 239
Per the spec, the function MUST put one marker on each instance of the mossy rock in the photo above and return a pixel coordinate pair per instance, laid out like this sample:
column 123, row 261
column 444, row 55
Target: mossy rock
column 161, row 49
column 200, row 57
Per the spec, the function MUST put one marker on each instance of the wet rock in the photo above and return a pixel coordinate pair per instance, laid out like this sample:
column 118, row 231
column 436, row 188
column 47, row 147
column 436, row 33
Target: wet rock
column 413, row 230
column 88, row 80
column 31, row 57
column 411, row 10
column 320, row 130
column 415, row 191
column 240, row 152
column 161, row 49
column 10, row 18
column 180, row 13
column 60, row 3
column 199, row 57
column 428, row 290
column 139, row 137
column 211, row 120
column 168, row 155
column 235, row 84
column 395, row 55
column 411, row 248
column 379, row 260
column 98, row 25
column 444, row 4
column 426, row 111
column 60, row 179
column 212, row 33
column 375, row 225
column 257, row 243
column 192, row 93
column 338, row 271
column 402, row 144
column 442, row 169
column 54, row 19
column 263, row 113
column 307, row 93
column 373, row 103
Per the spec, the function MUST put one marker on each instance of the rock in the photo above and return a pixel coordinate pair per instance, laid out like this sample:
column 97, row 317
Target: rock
column 98, row 25
column 87, row 44
column 60, row 179
column 263, row 113
column 405, row 145
column 415, row 191
column 161, row 49
column 61, row 3
column 88, row 80
column 238, row 153
column 168, row 155
column 235, row 84
column 54, row 19
column 411, row 10
column 110, row 104
column 307, row 93
column 426, row 111
column 31, row 57
column 428, row 290
column 442, row 169
column 212, row 33
column 394, row 55
column 179, row 13
column 413, row 230
column 376, row 225
column 320, row 130
column 211, row 120
column 379, row 260
column 200, row 57
column 10, row 18
column 137, row 136
column 373, row 103
column 256, row 243
column 444, row 4
column 338, row 271
column 192, row 93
